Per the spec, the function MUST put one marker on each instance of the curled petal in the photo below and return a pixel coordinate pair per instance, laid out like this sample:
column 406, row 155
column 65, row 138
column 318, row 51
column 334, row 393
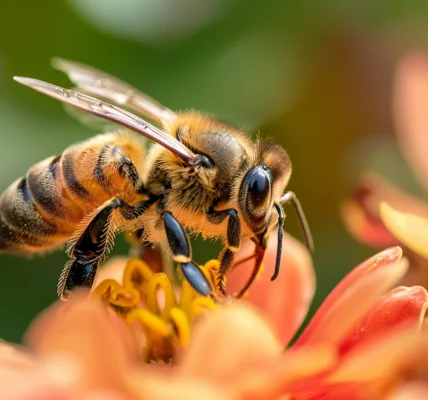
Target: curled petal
column 361, row 213
column 286, row 300
column 358, row 291
column 409, row 229
column 402, row 305
column 233, row 339
column 410, row 102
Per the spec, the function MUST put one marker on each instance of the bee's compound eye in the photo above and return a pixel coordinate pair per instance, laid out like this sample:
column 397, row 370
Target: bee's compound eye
column 259, row 185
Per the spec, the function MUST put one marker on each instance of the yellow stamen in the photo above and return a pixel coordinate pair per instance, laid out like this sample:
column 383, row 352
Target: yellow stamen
column 166, row 327
column 187, row 296
column 136, row 274
column 149, row 321
column 105, row 288
column 202, row 304
column 125, row 297
column 181, row 323
column 160, row 280
column 210, row 270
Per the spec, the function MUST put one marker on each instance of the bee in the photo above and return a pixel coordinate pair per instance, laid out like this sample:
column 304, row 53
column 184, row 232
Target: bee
column 201, row 176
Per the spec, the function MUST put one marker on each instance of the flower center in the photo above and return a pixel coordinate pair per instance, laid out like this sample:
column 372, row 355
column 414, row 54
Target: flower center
column 155, row 310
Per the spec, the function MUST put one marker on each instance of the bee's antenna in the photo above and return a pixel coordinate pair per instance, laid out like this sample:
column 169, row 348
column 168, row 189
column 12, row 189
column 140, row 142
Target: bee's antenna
column 281, row 219
column 303, row 224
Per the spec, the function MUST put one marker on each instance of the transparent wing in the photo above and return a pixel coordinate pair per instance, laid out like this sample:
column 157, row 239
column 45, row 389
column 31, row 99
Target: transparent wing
column 100, row 84
column 111, row 113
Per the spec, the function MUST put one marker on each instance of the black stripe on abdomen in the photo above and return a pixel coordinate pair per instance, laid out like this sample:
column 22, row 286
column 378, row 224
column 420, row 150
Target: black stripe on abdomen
column 42, row 187
column 11, row 239
column 70, row 178
column 23, row 190
column 99, row 166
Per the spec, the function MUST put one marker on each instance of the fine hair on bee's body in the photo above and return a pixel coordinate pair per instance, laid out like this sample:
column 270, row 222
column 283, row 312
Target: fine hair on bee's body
column 202, row 176
column 43, row 209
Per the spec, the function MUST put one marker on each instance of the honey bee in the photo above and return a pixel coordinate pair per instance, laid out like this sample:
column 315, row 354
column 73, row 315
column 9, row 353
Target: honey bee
column 201, row 176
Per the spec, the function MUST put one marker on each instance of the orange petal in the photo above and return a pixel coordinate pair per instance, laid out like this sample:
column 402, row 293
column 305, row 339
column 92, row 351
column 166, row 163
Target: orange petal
column 401, row 305
column 339, row 391
column 353, row 297
column 361, row 213
column 386, row 359
column 285, row 301
column 81, row 344
column 285, row 373
column 227, row 342
column 410, row 101
column 161, row 386
column 409, row 229
column 411, row 391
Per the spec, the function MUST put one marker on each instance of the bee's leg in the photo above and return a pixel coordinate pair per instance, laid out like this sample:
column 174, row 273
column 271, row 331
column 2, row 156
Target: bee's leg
column 258, row 255
column 93, row 243
column 233, row 242
column 182, row 254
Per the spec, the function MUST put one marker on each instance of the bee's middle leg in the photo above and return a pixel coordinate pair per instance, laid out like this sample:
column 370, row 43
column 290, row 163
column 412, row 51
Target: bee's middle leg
column 233, row 242
column 182, row 253
column 93, row 242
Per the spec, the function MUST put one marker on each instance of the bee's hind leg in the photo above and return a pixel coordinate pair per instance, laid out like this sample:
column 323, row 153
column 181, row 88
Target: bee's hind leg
column 93, row 241
column 182, row 254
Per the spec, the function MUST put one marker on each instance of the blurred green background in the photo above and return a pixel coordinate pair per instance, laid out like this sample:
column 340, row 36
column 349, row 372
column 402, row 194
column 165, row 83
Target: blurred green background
column 315, row 75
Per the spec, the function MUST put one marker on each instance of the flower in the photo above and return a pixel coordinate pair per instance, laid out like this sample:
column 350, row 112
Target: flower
column 362, row 213
column 363, row 343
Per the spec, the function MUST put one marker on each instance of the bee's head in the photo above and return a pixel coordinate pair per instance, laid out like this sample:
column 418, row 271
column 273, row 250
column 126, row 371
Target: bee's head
column 263, row 185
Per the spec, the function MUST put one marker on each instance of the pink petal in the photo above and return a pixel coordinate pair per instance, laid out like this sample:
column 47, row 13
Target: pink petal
column 156, row 386
column 401, row 305
column 353, row 297
column 410, row 110
column 82, row 345
column 361, row 213
column 285, row 301
column 13, row 357
column 229, row 342
column 22, row 377
column 411, row 391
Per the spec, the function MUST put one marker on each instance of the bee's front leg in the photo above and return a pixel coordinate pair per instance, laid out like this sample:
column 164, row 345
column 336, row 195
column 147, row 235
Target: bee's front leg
column 233, row 242
column 182, row 253
column 92, row 242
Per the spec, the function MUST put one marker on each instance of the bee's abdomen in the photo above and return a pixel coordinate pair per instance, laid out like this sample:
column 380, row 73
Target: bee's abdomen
column 40, row 211
column 22, row 226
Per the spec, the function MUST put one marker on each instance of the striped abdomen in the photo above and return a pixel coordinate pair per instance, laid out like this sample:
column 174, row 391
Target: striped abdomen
column 40, row 211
